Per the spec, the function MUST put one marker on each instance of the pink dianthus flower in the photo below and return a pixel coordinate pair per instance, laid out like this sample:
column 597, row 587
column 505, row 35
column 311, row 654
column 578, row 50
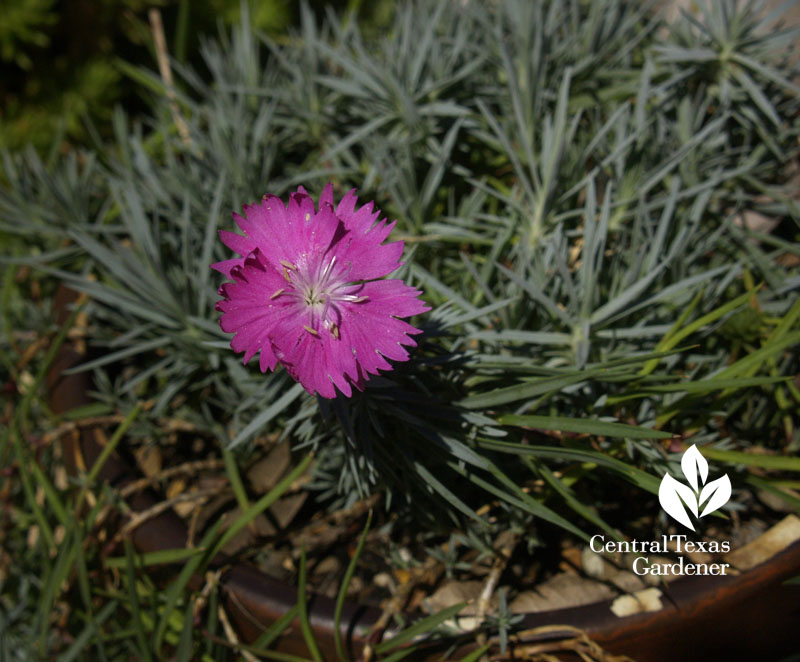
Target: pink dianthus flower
column 305, row 294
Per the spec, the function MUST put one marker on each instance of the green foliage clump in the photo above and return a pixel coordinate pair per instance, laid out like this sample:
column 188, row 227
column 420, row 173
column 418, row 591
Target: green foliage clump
column 568, row 181
column 24, row 24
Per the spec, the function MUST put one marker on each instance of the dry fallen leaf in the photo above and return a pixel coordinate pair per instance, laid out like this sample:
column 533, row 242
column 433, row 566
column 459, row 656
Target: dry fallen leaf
column 752, row 220
column 451, row 594
column 561, row 591
column 183, row 508
column 598, row 566
column 284, row 510
column 260, row 526
column 149, row 460
column 265, row 473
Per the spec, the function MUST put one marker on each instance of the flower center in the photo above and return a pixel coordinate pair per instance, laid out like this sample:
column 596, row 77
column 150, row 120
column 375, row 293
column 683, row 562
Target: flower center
column 319, row 290
column 315, row 297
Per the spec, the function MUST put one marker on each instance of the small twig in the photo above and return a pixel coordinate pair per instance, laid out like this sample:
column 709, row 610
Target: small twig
column 34, row 349
column 140, row 518
column 395, row 604
column 166, row 74
column 166, row 424
column 71, row 426
column 310, row 534
column 231, row 634
column 190, row 536
column 489, row 586
column 212, row 580
column 185, row 468
column 567, row 638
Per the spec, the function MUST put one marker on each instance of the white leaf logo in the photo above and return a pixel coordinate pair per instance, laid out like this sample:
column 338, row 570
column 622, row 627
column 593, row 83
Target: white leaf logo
column 675, row 497
column 692, row 464
column 717, row 492
column 672, row 495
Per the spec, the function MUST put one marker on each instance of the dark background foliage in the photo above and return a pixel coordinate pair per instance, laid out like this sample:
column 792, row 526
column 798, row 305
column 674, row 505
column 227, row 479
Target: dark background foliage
column 60, row 73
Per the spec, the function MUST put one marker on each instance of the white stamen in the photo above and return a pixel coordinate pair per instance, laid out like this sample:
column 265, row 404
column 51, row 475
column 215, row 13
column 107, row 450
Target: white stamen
column 327, row 269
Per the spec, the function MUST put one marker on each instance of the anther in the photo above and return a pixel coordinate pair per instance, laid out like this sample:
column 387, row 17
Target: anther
column 277, row 293
column 288, row 265
column 313, row 332
column 335, row 331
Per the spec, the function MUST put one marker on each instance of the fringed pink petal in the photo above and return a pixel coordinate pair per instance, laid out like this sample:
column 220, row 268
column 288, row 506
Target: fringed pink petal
column 303, row 292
